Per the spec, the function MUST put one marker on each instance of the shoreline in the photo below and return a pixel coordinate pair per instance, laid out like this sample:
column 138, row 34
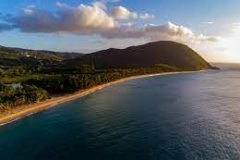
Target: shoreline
column 27, row 110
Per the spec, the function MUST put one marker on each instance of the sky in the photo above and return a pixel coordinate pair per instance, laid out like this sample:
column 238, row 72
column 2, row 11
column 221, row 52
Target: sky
column 211, row 27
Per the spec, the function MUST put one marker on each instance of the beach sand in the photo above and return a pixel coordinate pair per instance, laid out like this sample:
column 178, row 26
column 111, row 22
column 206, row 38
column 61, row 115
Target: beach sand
column 23, row 111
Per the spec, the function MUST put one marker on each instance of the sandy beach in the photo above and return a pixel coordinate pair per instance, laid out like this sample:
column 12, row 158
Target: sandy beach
column 30, row 109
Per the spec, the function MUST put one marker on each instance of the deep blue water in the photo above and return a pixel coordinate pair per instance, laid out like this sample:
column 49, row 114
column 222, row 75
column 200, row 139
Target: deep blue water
column 192, row 116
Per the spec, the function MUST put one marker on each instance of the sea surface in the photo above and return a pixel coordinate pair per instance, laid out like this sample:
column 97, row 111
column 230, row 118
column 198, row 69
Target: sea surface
column 193, row 116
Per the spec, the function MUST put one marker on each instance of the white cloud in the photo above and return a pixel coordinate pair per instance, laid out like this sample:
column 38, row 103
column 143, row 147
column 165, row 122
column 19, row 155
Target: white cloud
column 96, row 19
column 124, row 31
column 29, row 9
column 169, row 31
column 121, row 12
column 100, row 5
column 146, row 16
column 60, row 4
column 83, row 19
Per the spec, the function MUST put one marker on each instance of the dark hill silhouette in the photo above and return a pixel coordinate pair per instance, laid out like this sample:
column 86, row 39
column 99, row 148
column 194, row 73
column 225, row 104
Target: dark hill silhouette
column 16, row 53
column 17, row 56
column 151, row 54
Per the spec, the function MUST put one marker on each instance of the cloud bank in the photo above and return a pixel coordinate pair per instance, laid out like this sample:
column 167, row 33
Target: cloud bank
column 169, row 31
column 98, row 19
column 82, row 20
column 122, row 13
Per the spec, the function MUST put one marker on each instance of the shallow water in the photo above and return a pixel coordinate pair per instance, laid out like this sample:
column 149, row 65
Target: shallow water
column 194, row 116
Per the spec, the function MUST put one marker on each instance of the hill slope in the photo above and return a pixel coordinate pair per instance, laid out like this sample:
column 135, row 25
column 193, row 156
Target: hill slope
column 17, row 56
column 151, row 54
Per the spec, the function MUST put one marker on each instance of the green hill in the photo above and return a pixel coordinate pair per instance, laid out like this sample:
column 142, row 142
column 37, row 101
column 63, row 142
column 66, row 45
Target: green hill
column 42, row 74
column 156, row 53
column 17, row 56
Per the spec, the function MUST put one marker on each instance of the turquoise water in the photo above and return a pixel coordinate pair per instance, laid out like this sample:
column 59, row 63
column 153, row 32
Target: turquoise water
column 192, row 116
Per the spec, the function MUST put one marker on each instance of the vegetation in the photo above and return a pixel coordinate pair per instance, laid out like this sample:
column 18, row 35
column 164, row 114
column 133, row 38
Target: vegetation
column 163, row 52
column 42, row 74
column 13, row 97
column 16, row 53
column 41, row 86
column 73, row 82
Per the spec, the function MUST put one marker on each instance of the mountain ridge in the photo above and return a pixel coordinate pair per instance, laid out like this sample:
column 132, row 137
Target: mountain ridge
column 15, row 52
column 154, row 53
column 168, row 53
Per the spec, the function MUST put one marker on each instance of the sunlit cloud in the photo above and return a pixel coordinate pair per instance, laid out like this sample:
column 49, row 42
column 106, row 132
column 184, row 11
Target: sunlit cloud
column 29, row 9
column 122, row 13
column 94, row 19
column 168, row 31
column 110, row 23
column 146, row 16
column 83, row 19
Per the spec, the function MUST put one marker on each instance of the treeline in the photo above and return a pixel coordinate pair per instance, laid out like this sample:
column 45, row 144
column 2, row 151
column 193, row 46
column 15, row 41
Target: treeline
column 26, row 94
column 41, row 88
column 74, row 82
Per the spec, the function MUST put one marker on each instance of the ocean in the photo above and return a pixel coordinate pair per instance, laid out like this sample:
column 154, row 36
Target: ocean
column 190, row 116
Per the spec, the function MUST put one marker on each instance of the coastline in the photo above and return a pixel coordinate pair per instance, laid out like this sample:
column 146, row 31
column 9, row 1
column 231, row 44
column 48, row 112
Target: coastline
column 26, row 110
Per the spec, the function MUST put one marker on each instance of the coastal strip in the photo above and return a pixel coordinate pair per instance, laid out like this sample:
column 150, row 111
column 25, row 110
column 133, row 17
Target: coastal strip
column 26, row 110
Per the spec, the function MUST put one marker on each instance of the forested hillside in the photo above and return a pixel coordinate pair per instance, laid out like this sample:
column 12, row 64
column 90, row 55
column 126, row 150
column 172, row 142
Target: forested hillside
column 28, row 76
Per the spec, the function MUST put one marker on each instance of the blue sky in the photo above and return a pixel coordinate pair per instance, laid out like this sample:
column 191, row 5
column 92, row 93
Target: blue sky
column 210, row 26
